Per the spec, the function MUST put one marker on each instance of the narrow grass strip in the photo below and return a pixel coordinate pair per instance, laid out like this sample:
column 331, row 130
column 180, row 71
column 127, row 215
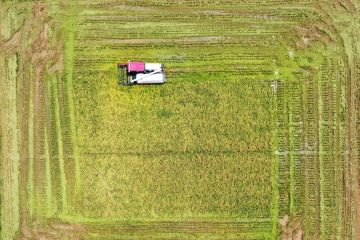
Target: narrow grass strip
column 321, row 159
column 275, row 172
column 30, row 182
column 60, row 144
column 48, row 174
column 291, row 158
column 69, row 59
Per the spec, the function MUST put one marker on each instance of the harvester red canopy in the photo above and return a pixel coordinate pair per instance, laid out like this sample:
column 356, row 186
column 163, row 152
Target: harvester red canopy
column 136, row 67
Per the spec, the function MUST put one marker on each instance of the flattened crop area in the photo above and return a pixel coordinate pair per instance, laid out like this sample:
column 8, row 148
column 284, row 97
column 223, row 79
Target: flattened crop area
column 254, row 135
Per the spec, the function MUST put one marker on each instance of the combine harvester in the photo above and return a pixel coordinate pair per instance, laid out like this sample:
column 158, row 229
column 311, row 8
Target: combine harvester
column 141, row 73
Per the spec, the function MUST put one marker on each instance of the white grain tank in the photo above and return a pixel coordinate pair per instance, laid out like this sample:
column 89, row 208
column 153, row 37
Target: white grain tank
column 154, row 74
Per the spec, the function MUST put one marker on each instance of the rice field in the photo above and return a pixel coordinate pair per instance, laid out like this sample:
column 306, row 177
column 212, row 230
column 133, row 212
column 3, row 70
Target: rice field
column 254, row 135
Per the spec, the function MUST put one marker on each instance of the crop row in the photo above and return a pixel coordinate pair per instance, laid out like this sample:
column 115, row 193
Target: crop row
column 310, row 143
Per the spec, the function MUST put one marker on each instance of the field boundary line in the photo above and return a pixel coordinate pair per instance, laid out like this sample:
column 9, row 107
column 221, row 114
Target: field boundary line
column 69, row 46
column 275, row 170
column 60, row 143
column 320, row 154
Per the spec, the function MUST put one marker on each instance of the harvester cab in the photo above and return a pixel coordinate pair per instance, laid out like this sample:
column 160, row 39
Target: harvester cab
column 141, row 73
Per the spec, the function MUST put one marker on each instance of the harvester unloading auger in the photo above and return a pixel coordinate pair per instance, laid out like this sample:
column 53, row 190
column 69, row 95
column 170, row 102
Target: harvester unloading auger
column 141, row 73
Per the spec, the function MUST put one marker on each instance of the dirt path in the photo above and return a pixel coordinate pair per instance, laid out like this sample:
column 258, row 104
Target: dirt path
column 56, row 231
